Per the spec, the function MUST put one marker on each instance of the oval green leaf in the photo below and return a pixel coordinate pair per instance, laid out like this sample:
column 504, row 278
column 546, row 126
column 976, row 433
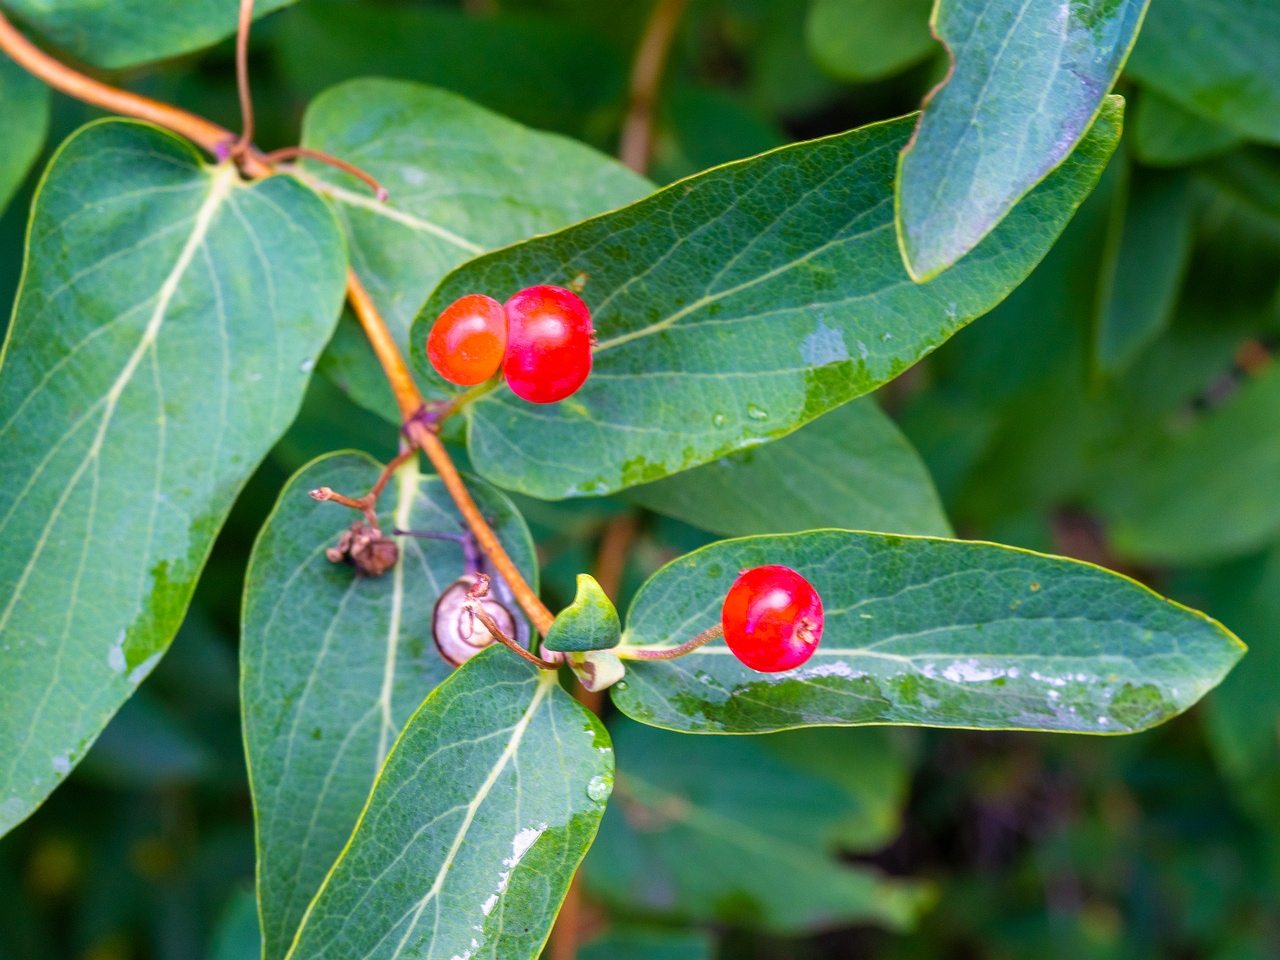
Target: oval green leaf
column 475, row 826
column 462, row 181
column 24, row 118
column 851, row 468
column 334, row 664
column 167, row 323
column 862, row 40
column 738, row 305
column 942, row 633
column 1026, row 83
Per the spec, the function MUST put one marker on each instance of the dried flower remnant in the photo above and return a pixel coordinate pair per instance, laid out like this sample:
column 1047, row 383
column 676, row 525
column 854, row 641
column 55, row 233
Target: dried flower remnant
column 365, row 548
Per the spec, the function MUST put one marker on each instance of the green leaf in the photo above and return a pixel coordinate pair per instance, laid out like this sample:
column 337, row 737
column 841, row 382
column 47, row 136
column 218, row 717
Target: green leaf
column 1209, row 492
column 475, row 826
column 334, row 664
column 738, row 305
column 1166, row 135
column 168, row 320
column 724, row 829
column 862, row 40
column 942, row 633
column 1027, row 82
column 24, row 117
column 1215, row 58
column 1147, row 254
column 851, row 468
column 462, row 181
column 115, row 35
column 534, row 69
column 704, row 127
column 589, row 623
column 236, row 936
column 644, row 943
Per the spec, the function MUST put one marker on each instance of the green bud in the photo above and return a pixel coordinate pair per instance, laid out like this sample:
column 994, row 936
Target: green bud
column 589, row 623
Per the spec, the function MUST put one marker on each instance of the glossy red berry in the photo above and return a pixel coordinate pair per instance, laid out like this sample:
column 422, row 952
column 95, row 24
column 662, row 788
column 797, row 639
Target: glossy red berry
column 772, row 619
column 468, row 341
column 548, row 344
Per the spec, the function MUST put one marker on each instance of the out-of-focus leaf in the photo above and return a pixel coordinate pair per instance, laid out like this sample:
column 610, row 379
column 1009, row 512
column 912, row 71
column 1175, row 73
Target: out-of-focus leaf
column 649, row 943
column 1209, row 493
column 863, row 40
column 1215, row 58
column 941, row 633
column 736, row 306
column 475, row 826
column 723, row 829
column 462, row 180
column 1027, row 82
column 1144, row 264
column 168, row 321
column 1165, row 134
column 1244, row 712
column 333, row 664
column 145, row 746
column 537, row 70
column 784, row 80
column 705, row 127
column 851, row 468
column 237, row 936
column 24, row 117
column 122, row 33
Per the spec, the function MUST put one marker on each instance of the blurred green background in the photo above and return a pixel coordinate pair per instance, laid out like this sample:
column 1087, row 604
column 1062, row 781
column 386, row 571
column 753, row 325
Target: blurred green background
column 1038, row 431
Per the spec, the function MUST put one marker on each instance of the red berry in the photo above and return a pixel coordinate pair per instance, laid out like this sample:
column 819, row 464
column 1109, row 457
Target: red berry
column 468, row 340
column 548, row 344
column 772, row 619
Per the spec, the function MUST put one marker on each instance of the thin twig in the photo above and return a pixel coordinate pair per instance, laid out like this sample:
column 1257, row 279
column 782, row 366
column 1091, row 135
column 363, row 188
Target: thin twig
column 368, row 504
column 289, row 153
column 670, row 653
column 478, row 611
column 636, row 144
column 242, row 79
column 204, row 133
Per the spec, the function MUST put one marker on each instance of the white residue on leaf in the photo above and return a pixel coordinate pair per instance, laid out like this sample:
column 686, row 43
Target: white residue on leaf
column 115, row 656
column 825, row 345
column 520, row 845
column 1052, row 681
column 61, row 763
column 487, row 907
column 414, row 176
column 862, row 349
column 142, row 669
column 837, row 669
column 971, row 671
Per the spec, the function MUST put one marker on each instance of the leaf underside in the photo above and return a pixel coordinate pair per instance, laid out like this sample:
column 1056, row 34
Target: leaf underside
column 932, row 632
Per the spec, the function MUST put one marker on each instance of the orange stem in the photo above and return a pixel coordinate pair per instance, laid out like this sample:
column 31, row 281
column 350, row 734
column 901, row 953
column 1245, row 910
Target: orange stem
column 637, row 132
column 288, row 153
column 242, row 78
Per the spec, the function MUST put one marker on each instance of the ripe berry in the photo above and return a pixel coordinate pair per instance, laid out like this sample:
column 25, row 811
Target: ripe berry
column 468, row 340
column 772, row 619
column 548, row 344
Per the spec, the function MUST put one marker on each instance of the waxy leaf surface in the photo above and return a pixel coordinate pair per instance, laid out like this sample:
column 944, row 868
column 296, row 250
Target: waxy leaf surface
column 462, row 180
column 725, row 829
column 1216, row 58
column 1027, row 81
column 24, row 118
column 738, row 305
column 851, row 468
column 121, row 33
column 475, row 826
column 942, row 633
column 168, row 319
column 334, row 664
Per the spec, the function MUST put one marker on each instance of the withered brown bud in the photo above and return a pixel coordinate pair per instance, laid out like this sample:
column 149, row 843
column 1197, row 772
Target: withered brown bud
column 460, row 636
column 365, row 548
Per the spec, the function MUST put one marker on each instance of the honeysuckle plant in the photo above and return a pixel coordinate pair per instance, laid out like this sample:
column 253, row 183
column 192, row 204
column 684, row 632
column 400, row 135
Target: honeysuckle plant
column 424, row 781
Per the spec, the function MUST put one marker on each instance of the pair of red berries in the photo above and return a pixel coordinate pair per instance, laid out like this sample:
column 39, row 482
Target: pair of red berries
column 772, row 619
column 541, row 338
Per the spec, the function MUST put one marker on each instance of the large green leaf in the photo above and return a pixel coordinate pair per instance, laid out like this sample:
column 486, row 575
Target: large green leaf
column 738, row 305
column 1216, row 58
column 863, row 40
column 725, row 829
column 942, row 633
column 462, row 181
column 649, row 943
column 333, row 664
column 1027, row 80
column 1146, row 258
column 121, row 33
column 851, row 468
column 1209, row 492
column 167, row 324
column 1165, row 134
column 475, row 826
column 24, row 117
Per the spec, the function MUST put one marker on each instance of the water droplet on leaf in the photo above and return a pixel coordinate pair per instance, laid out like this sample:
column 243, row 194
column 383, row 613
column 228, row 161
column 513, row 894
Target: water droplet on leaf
column 755, row 413
column 599, row 788
column 718, row 420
